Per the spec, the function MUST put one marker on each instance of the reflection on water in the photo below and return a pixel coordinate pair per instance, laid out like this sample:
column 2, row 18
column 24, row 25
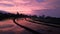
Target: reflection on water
column 8, row 26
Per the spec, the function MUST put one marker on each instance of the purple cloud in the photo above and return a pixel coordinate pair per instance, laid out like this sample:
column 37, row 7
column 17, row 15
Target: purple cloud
column 8, row 5
column 40, row 1
column 48, row 12
column 6, row 0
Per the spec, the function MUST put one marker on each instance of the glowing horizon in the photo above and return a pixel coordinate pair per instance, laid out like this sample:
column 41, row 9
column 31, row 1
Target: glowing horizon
column 28, row 6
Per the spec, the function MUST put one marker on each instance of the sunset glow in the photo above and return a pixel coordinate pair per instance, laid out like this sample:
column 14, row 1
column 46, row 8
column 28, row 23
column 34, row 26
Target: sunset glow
column 28, row 6
column 29, row 16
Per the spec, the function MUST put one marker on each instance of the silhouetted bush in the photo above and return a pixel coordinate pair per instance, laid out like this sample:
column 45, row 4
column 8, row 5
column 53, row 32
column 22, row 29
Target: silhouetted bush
column 43, row 18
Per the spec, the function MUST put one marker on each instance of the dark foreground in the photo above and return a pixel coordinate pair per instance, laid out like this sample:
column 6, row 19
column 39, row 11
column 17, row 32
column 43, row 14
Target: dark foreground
column 11, row 28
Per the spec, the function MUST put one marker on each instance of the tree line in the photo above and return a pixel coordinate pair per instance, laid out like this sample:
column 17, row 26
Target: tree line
column 43, row 18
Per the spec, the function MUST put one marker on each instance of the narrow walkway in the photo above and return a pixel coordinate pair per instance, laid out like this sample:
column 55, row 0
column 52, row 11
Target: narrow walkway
column 42, row 29
column 28, row 29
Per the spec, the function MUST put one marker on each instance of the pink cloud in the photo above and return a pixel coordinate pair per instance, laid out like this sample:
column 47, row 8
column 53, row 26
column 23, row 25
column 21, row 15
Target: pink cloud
column 28, row 5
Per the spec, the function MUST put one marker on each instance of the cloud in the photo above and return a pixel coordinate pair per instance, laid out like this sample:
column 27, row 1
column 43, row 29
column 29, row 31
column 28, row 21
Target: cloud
column 34, row 4
column 6, row 0
column 48, row 12
column 27, row 6
column 40, row 1
column 7, row 5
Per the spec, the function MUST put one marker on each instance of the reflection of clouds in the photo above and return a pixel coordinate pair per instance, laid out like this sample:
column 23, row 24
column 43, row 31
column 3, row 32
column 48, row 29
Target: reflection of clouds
column 7, row 32
column 18, row 30
column 15, row 32
column 6, row 26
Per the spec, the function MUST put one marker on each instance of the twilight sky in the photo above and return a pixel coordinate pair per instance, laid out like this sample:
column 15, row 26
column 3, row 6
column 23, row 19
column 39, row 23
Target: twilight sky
column 34, row 7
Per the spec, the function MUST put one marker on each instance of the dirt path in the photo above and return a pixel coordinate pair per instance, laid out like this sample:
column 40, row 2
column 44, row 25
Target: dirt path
column 44, row 29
